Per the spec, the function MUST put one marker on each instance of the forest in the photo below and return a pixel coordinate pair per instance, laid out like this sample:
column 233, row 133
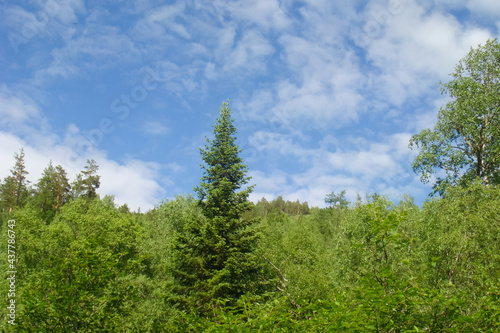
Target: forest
column 74, row 261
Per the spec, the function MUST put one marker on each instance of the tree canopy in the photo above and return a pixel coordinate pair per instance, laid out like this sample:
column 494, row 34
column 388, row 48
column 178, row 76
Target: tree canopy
column 465, row 142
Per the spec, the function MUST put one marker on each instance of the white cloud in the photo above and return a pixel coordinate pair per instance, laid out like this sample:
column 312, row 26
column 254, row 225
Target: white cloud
column 225, row 41
column 267, row 141
column 175, row 167
column 366, row 167
column 248, row 52
column 489, row 8
column 323, row 83
column 16, row 109
column 51, row 20
column 410, row 47
column 154, row 128
column 158, row 23
column 414, row 50
column 267, row 14
column 132, row 181
column 275, row 182
column 65, row 11
column 268, row 186
column 98, row 47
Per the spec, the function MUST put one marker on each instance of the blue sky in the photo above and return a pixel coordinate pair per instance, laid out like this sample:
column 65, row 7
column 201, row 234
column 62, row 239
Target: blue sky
column 325, row 94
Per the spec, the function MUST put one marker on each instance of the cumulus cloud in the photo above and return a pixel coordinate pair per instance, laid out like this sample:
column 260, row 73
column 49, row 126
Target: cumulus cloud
column 370, row 166
column 16, row 108
column 415, row 49
column 248, row 51
column 132, row 181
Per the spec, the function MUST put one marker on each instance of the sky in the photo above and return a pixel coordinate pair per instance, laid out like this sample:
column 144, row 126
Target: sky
column 325, row 94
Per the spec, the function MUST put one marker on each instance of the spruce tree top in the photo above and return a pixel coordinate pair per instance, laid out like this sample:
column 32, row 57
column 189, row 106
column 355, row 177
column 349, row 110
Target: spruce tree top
column 220, row 192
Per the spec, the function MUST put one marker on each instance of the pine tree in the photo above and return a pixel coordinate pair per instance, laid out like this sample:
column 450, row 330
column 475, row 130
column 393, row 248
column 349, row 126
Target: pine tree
column 8, row 194
column 52, row 191
column 19, row 173
column 337, row 200
column 87, row 182
column 215, row 258
column 14, row 190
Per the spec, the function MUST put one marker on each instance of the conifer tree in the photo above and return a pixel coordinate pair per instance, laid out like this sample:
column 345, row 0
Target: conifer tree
column 52, row 190
column 224, row 173
column 337, row 200
column 14, row 190
column 215, row 258
column 87, row 182
column 8, row 194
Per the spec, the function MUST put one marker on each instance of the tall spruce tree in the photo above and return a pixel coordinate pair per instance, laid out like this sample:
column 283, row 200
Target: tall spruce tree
column 215, row 258
column 224, row 173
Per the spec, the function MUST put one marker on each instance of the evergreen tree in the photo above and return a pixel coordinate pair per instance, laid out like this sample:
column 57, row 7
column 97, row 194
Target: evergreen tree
column 337, row 200
column 14, row 190
column 214, row 258
column 52, row 191
column 87, row 182
column 224, row 173
column 279, row 203
column 304, row 208
column 8, row 194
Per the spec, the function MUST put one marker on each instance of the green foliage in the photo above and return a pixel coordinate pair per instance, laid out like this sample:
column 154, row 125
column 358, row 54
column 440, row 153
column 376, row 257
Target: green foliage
column 372, row 266
column 52, row 191
column 367, row 268
column 220, row 191
column 89, row 290
column 87, row 182
column 263, row 207
column 78, row 273
column 8, row 194
column 337, row 200
column 214, row 258
column 14, row 191
column 465, row 143
column 212, row 262
column 459, row 237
